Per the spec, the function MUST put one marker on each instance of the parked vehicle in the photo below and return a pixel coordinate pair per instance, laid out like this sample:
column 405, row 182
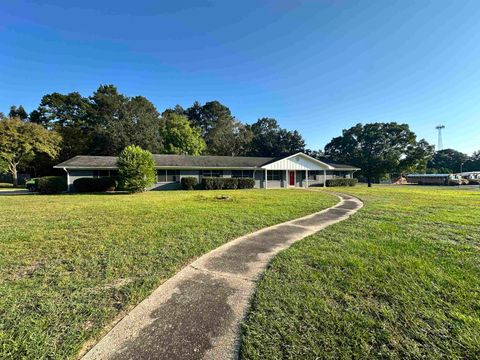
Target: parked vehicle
column 436, row 179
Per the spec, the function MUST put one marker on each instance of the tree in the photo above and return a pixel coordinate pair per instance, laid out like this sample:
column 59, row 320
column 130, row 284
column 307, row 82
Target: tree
column 228, row 137
column 447, row 160
column 473, row 164
column 18, row 112
column 136, row 169
column 317, row 154
column 207, row 116
column 269, row 139
column 57, row 110
column 179, row 137
column 376, row 148
column 223, row 134
column 69, row 115
column 416, row 157
column 20, row 141
column 138, row 124
column 102, row 124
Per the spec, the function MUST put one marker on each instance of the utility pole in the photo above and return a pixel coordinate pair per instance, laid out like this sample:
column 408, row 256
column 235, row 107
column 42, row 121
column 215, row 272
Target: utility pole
column 440, row 142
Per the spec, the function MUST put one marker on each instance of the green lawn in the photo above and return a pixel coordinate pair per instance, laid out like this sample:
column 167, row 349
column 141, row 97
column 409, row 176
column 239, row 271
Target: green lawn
column 69, row 264
column 400, row 279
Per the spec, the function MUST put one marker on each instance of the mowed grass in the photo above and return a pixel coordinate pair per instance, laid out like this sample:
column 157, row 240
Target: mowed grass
column 399, row 280
column 70, row 264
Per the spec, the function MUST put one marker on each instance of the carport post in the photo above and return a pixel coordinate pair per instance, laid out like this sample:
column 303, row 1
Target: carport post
column 324, row 178
column 266, row 178
column 306, row 177
column 68, row 179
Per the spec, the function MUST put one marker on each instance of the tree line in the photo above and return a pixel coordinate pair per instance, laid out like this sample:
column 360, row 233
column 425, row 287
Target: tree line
column 106, row 122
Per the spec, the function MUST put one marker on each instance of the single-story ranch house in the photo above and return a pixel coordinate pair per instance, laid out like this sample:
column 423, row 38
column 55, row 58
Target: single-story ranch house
column 298, row 170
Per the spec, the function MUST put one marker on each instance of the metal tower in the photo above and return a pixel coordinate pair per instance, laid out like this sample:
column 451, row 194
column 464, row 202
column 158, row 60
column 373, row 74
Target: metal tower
column 440, row 142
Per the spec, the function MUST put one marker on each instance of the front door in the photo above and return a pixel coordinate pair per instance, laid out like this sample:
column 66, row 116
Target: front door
column 291, row 175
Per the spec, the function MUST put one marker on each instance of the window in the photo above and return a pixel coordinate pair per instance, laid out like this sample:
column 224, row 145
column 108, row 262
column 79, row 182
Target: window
column 211, row 173
column 168, row 175
column 242, row 173
column 100, row 173
column 312, row 175
column 274, row 175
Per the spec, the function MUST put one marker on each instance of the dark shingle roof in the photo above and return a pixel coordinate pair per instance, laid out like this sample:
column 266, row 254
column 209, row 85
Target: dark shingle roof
column 208, row 161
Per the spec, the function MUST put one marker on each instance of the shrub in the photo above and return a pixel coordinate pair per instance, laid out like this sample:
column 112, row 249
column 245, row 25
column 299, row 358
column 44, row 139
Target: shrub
column 189, row 183
column 214, row 183
column 230, row 183
column 32, row 184
column 136, row 169
column 246, row 183
column 101, row 184
column 51, row 184
column 341, row 182
column 6, row 185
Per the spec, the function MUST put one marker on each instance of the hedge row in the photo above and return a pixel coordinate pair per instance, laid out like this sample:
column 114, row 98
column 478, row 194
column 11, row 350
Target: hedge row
column 51, row 184
column 341, row 182
column 101, row 184
column 217, row 183
column 189, row 183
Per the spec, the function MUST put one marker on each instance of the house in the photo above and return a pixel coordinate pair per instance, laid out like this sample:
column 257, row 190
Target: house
column 298, row 170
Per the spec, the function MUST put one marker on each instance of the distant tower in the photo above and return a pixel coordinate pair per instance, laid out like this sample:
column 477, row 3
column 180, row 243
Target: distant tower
column 440, row 142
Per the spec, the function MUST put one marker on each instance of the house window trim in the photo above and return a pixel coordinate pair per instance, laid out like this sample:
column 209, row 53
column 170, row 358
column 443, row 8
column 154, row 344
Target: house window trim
column 163, row 178
column 274, row 175
column 210, row 173
column 243, row 174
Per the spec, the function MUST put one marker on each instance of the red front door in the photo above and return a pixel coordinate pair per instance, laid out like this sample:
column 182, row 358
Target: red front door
column 291, row 174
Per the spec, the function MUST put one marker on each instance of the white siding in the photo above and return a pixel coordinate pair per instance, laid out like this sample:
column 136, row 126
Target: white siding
column 297, row 162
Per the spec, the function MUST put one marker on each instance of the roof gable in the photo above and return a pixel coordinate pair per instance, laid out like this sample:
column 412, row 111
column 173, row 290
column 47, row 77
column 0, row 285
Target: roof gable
column 298, row 161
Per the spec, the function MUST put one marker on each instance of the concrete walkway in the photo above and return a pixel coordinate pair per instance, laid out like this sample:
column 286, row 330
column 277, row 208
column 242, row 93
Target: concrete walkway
column 197, row 313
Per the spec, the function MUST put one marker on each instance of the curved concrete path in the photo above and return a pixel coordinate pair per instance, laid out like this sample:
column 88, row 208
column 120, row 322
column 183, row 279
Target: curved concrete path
column 197, row 313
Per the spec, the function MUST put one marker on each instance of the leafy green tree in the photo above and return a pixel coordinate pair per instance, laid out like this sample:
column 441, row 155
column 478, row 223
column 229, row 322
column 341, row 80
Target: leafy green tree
column 177, row 110
column 376, row 148
column 18, row 112
column 207, row 116
column 269, row 139
column 57, row 110
column 447, row 160
column 136, row 169
column 138, row 124
column 416, row 157
column 102, row 124
column 473, row 163
column 228, row 137
column 317, row 154
column 179, row 137
column 223, row 134
column 69, row 115
column 20, row 141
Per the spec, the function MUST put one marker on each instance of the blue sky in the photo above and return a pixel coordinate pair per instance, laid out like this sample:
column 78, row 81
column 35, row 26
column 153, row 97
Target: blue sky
column 316, row 66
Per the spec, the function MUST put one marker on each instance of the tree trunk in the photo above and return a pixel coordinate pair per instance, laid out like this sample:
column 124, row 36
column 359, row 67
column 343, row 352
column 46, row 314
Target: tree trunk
column 369, row 181
column 13, row 169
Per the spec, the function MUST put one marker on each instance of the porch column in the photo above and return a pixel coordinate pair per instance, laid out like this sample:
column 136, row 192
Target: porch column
column 69, row 187
column 266, row 177
column 306, row 177
column 324, row 178
column 287, row 180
